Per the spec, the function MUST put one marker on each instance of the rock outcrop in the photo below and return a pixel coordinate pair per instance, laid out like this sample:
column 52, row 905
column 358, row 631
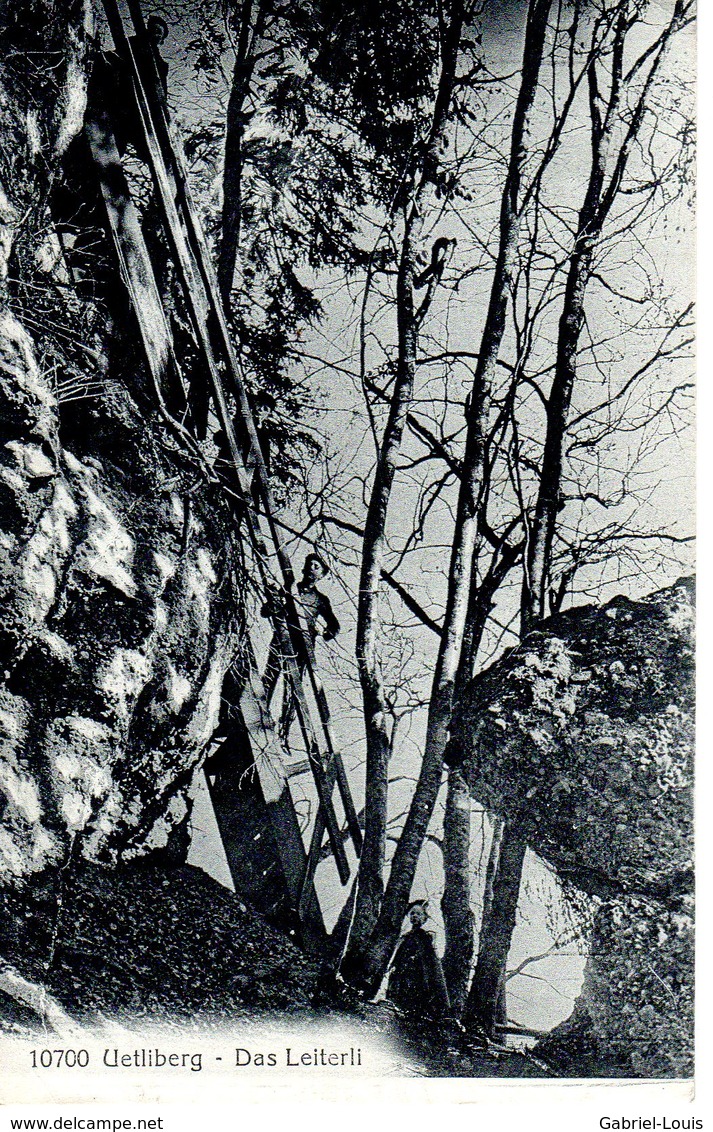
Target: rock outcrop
column 582, row 736
column 118, row 588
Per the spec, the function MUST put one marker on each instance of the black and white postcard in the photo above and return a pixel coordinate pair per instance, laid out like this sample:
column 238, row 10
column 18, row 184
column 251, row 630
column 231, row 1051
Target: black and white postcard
column 346, row 549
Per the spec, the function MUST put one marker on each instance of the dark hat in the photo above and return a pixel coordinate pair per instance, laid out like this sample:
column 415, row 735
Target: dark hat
column 314, row 557
column 157, row 28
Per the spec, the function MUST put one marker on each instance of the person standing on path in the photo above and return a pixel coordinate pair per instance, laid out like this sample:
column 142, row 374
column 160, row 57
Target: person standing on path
column 417, row 985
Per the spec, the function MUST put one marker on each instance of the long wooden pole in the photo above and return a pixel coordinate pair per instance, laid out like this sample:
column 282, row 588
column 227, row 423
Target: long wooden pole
column 193, row 261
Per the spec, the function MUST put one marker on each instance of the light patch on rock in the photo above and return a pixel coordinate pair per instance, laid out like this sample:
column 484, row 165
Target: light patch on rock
column 32, row 133
column 160, row 617
column 43, row 553
column 39, row 563
column 64, row 509
column 80, row 751
column 38, row 580
column 32, row 460
column 76, row 810
column 57, row 646
column 67, row 765
column 124, row 676
column 90, row 729
column 197, row 585
column 158, row 835
column 109, row 549
column 13, row 479
column 10, row 725
column 75, row 465
column 116, row 810
column 166, row 567
column 205, row 717
column 105, row 822
column 681, row 617
column 94, row 778
column 17, row 358
column 49, row 257
column 25, row 849
column 548, row 675
column 21, row 793
column 73, row 104
column 12, row 862
column 179, row 688
column 14, row 717
column 206, row 566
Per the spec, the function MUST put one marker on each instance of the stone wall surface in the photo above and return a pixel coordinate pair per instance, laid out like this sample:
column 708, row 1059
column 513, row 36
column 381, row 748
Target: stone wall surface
column 118, row 590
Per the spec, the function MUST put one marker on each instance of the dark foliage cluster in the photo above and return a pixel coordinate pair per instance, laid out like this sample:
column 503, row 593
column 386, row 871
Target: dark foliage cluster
column 376, row 66
column 331, row 106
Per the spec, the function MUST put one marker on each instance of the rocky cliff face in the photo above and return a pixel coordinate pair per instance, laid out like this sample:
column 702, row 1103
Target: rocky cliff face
column 583, row 737
column 119, row 600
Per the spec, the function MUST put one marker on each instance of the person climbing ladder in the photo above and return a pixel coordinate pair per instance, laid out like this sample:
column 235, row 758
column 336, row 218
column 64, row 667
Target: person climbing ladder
column 317, row 616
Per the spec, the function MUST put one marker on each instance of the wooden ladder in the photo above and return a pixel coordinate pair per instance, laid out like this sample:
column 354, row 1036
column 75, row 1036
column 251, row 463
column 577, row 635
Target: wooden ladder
column 242, row 469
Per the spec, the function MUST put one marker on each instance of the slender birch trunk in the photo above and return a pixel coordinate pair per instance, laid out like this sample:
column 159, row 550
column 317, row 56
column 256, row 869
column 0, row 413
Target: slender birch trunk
column 486, row 991
column 378, row 747
column 491, row 870
column 455, row 902
column 396, row 896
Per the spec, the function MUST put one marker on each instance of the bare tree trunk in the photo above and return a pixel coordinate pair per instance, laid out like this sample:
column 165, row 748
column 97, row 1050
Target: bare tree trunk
column 480, row 604
column 340, row 931
column 498, row 826
column 457, row 914
column 536, row 578
column 250, row 24
column 455, row 903
column 485, row 998
column 396, row 896
column 371, row 868
column 491, row 870
column 378, row 745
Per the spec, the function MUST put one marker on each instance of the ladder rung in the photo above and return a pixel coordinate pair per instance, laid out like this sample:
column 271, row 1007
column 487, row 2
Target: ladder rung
column 292, row 770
